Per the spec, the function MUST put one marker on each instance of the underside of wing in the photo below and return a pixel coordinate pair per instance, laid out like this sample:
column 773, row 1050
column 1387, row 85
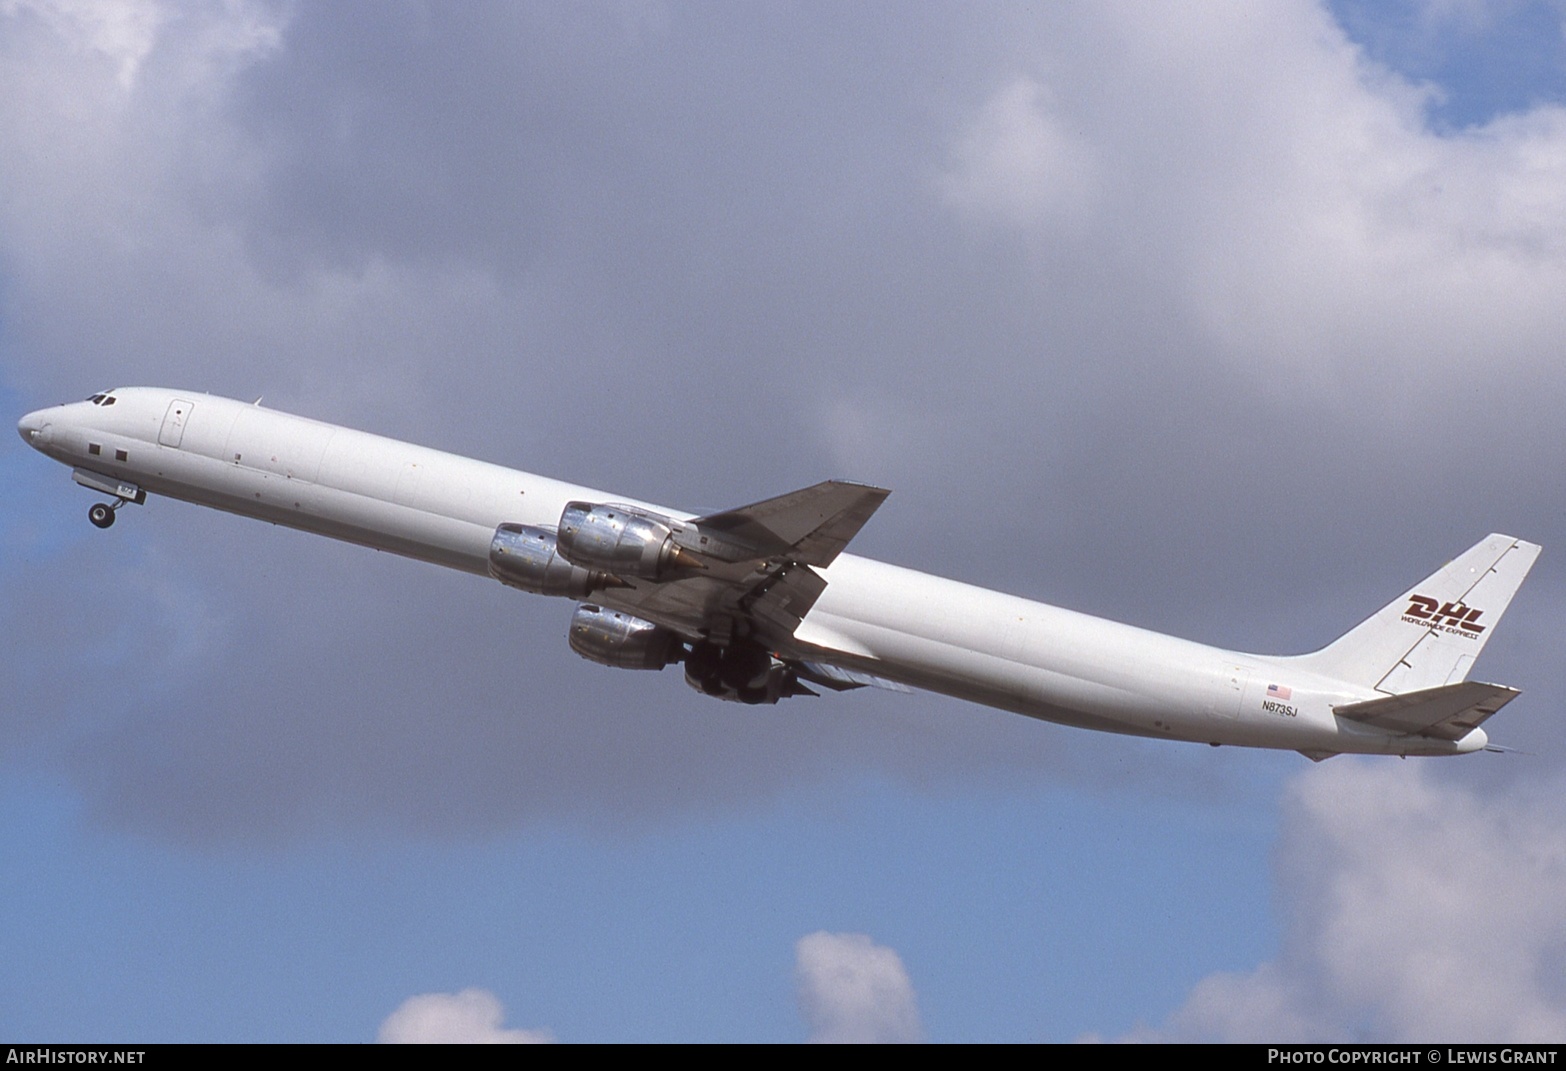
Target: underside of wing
column 1450, row 712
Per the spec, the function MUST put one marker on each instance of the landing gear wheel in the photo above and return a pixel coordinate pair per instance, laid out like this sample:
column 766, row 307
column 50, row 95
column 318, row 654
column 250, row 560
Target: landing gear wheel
column 101, row 515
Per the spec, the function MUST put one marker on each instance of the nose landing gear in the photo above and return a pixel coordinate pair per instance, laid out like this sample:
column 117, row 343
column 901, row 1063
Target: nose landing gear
column 102, row 514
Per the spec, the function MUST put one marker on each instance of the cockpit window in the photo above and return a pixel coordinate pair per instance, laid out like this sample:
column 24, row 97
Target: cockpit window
column 106, row 398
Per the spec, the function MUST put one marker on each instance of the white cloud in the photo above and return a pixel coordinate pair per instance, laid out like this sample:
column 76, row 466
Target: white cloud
column 853, row 990
column 1413, row 910
column 122, row 31
column 119, row 154
column 471, row 1017
column 1286, row 192
column 1018, row 163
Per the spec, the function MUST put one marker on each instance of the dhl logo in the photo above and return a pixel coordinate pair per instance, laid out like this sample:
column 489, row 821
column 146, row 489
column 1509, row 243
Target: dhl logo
column 1452, row 615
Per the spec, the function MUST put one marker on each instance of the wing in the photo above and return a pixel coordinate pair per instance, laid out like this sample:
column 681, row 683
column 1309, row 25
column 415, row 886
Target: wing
column 810, row 527
column 753, row 574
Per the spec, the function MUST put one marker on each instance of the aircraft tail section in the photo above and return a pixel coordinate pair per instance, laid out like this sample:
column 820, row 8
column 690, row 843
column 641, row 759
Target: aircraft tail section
column 1429, row 636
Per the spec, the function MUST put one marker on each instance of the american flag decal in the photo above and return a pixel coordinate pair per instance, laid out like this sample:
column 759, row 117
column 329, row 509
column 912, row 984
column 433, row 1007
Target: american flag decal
column 1278, row 691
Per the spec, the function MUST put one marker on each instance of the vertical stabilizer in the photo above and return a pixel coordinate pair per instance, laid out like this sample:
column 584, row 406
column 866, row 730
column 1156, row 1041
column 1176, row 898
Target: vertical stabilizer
column 1430, row 635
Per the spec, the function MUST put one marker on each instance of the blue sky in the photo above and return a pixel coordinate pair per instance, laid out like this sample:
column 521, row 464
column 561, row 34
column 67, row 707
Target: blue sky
column 1485, row 59
column 635, row 940
column 1230, row 322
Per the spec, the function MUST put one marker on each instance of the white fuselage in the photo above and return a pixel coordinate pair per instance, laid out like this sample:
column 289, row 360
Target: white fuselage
column 894, row 623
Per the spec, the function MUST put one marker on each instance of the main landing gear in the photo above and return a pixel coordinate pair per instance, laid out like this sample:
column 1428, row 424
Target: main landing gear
column 102, row 514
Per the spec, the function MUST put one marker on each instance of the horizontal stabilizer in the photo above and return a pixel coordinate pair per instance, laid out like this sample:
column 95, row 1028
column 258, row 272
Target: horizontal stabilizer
column 810, row 526
column 1450, row 712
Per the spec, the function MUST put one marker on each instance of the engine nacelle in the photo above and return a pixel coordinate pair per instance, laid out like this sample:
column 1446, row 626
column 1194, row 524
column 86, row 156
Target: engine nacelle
column 621, row 540
column 741, row 672
column 611, row 638
column 526, row 557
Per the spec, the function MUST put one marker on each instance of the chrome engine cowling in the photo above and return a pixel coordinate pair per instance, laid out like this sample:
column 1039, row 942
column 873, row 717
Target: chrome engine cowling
column 621, row 540
column 620, row 640
column 526, row 557
column 740, row 672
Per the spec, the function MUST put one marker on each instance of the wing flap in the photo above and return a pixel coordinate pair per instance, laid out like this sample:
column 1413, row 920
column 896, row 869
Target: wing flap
column 783, row 600
column 841, row 680
column 1449, row 712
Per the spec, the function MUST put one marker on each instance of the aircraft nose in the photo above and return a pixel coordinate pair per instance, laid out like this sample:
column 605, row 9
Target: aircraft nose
column 34, row 428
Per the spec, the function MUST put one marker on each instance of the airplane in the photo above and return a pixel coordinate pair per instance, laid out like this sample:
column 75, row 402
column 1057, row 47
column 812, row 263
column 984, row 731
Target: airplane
column 760, row 603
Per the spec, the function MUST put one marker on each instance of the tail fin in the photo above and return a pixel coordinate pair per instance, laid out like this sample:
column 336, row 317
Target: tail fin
column 1431, row 635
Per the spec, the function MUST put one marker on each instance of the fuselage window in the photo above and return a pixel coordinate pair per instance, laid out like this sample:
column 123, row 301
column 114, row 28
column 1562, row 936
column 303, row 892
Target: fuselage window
column 121, row 455
column 94, row 449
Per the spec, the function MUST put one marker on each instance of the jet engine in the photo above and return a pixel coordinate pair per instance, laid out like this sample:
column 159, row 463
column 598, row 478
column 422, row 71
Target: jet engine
column 615, row 639
column 526, row 557
column 621, row 540
column 740, row 672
